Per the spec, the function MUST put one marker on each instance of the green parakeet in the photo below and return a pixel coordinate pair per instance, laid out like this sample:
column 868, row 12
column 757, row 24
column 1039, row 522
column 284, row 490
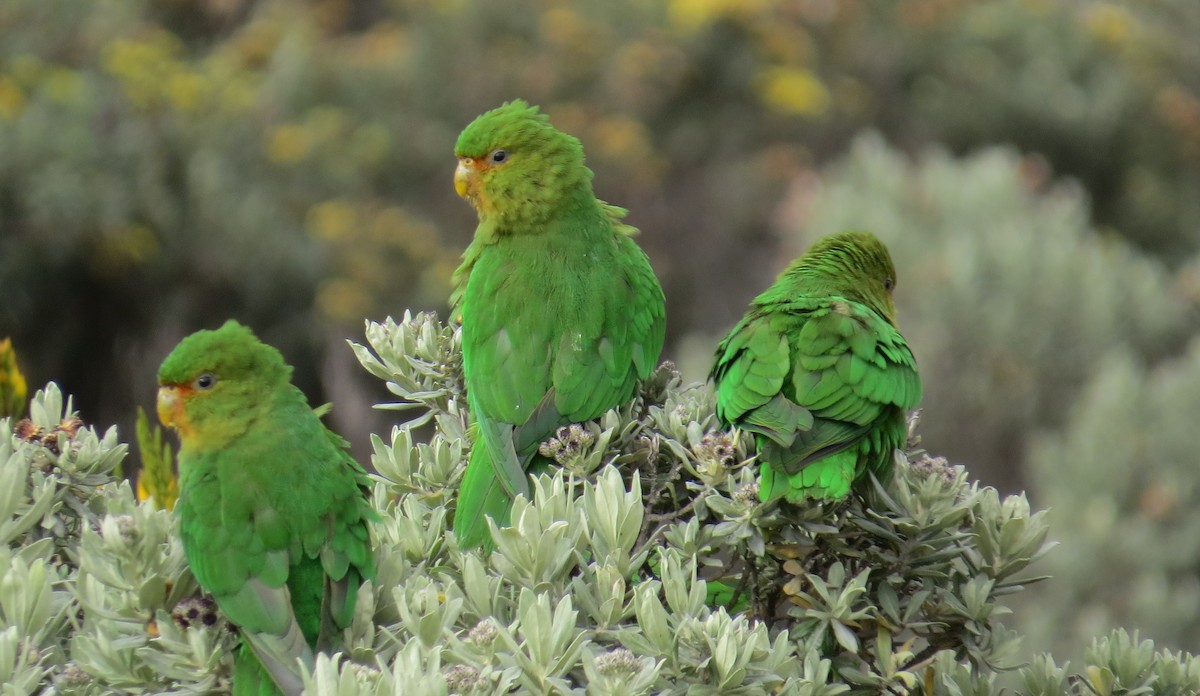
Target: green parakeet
column 819, row 373
column 561, row 313
column 272, row 508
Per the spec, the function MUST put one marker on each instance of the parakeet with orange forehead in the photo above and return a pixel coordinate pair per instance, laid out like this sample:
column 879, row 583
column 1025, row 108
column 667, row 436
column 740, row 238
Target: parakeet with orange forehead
column 818, row 372
column 561, row 312
column 272, row 509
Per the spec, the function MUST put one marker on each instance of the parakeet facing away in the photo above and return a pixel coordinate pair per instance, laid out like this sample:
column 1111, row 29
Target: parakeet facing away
column 272, row 509
column 818, row 371
column 561, row 312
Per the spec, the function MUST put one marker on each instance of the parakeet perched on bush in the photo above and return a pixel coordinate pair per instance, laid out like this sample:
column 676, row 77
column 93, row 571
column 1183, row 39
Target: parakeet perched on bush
column 819, row 373
column 561, row 313
column 272, row 508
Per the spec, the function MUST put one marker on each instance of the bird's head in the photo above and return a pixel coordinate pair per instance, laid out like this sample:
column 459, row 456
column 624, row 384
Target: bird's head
column 515, row 168
column 856, row 265
column 215, row 381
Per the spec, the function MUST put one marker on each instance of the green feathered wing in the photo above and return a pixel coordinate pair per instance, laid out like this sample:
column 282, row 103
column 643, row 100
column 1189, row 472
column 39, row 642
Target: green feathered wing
column 274, row 526
column 557, row 328
column 824, row 385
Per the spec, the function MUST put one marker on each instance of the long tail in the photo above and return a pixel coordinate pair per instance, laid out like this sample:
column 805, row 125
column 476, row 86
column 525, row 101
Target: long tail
column 481, row 496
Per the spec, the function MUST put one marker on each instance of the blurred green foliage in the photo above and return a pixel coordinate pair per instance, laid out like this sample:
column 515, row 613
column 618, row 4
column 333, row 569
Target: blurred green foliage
column 165, row 164
column 1121, row 479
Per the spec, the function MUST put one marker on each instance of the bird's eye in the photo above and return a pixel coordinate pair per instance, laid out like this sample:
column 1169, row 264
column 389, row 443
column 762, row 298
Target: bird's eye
column 498, row 156
column 888, row 284
column 206, row 381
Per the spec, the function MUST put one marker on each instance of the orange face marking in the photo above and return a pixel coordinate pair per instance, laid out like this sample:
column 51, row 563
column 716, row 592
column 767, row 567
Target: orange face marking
column 468, row 178
column 172, row 408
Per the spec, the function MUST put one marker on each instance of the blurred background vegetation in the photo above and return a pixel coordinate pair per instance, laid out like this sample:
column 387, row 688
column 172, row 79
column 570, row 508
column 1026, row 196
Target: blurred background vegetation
column 1033, row 164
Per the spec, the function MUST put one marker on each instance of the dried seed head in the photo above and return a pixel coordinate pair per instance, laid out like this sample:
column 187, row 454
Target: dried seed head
column 656, row 387
column 618, row 663
column 484, row 632
column 70, row 426
column 569, row 442
column 926, row 466
column 27, row 431
column 195, row 612
column 463, row 679
column 72, row 677
column 715, row 453
column 746, row 494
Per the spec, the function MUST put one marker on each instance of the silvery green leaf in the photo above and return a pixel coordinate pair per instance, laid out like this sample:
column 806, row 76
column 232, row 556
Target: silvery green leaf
column 614, row 517
column 653, row 619
column 18, row 672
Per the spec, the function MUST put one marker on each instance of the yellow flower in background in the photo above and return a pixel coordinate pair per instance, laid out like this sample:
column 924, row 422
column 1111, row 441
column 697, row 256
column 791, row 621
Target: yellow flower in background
column 12, row 383
column 1110, row 23
column 325, row 123
column 26, row 69
column 621, row 137
column 786, row 43
column 289, row 144
column 383, row 43
column 238, row 93
column 332, row 221
column 343, row 300
column 63, row 85
column 395, row 227
column 562, row 27
column 187, row 90
column 637, row 59
column 255, row 43
column 12, row 100
column 144, row 65
column 690, row 15
column 793, row 90
column 157, row 478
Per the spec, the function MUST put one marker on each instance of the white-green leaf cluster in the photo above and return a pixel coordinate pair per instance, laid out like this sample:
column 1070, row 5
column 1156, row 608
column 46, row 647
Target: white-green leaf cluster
column 90, row 577
column 644, row 564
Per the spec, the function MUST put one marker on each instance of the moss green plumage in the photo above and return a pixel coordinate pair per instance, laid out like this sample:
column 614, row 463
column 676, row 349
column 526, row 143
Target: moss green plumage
column 561, row 311
column 819, row 373
column 273, row 513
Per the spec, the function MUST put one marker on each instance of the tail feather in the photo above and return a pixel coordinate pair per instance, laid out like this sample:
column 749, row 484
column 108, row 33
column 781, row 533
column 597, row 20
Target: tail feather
column 480, row 497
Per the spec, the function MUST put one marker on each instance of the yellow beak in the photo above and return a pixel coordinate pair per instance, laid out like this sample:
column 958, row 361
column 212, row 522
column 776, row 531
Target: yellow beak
column 168, row 405
column 463, row 174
